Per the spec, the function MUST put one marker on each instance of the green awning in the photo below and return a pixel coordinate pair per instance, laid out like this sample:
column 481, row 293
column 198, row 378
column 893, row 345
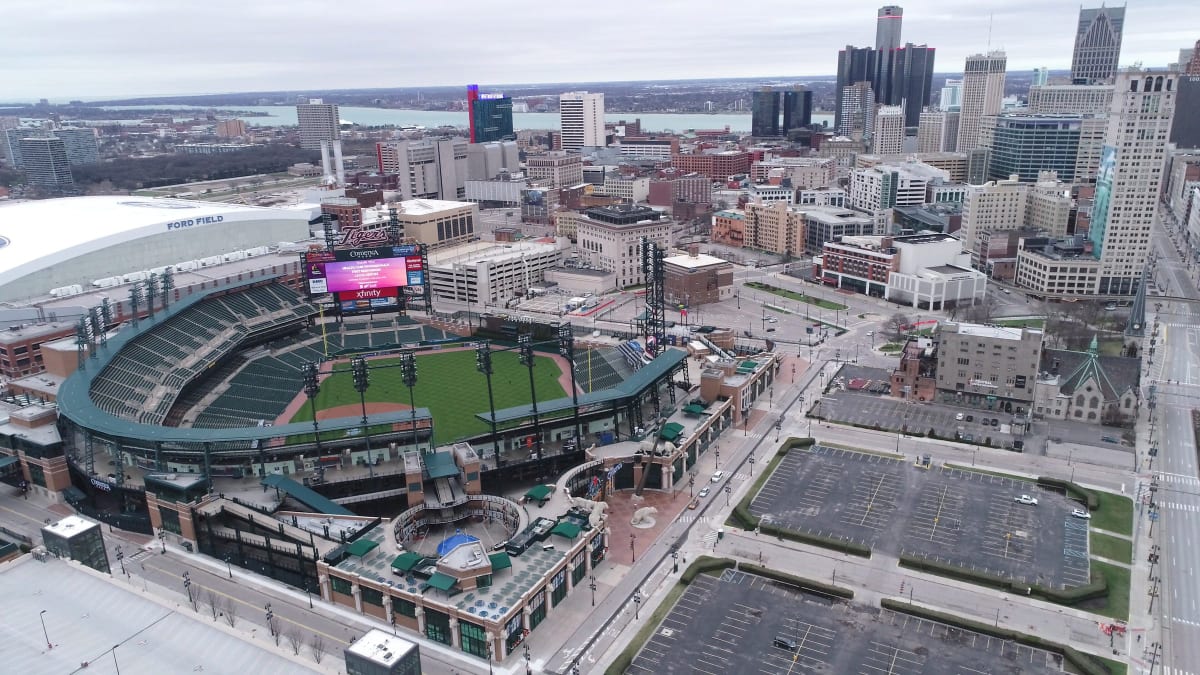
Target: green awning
column 406, row 561
column 442, row 582
column 693, row 409
column 362, row 547
column 500, row 561
column 539, row 492
column 671, row 432
column 7, row 460
column 440, row 465
column 566, row 529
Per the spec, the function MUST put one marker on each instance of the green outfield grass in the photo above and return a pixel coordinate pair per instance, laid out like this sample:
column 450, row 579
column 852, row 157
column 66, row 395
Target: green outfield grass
column 449, row 385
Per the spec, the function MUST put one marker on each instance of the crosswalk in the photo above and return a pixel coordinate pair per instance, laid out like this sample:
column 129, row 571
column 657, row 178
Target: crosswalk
column 1177, row 479
column 1176, row 506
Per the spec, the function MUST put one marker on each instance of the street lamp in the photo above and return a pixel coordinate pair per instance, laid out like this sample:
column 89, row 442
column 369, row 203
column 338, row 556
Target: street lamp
column 674, row 559
column 528, row 667
column 717, row 459
column 489, row 657
column 592, row 585
column 691, row 482
column 121, row 559
column 751, row 465
column 162, row 537
column 187, row 586
column 270, row 619
column 632, row 551
column 228, row 568
column 308, row 593
column 637, row 604
column 49, row 645
column 728, row 491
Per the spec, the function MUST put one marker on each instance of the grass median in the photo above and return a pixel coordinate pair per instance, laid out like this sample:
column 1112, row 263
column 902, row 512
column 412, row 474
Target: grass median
column 793, row 295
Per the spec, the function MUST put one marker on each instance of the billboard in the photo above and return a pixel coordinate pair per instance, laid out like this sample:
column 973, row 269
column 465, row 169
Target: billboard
column 365, row 280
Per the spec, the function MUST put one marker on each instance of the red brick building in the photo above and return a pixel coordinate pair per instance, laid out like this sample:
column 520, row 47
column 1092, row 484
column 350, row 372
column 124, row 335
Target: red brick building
column 716, row 166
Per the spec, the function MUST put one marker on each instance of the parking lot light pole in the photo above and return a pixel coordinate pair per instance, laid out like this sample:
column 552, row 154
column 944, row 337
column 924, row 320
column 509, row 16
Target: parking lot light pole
column 41, row 617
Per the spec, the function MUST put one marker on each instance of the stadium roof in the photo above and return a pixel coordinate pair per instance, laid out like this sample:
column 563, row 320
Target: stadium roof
column 75, row 401
column 661, row 366
column 38, row 234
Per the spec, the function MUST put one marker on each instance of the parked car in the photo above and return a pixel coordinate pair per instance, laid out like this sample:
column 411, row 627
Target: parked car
column 1080, row 513
column 970, row 418
column 1109, row 439
column 995, row 421
column 959, row 417
column 785, row 643
column 1026, row 499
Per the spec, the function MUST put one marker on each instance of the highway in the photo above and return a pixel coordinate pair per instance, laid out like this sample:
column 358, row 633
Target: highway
column 1175, row 372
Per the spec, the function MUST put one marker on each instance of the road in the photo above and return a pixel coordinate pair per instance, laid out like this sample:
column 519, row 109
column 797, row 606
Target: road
column 1175, row 372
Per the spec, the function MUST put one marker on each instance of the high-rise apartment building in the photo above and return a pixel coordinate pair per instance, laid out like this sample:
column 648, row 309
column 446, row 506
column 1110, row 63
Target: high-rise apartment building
column 581, row 118
column 1130, row 178
column 776, row 227
column 983, row 92
column 45, row 162
column 231, row 128
column 489, row 116
column 888, row 136
column 1097, row 45
column 1070, row 99
column 857, row 105
column 950, row 98
column 81, row 144
column 937, row 131
column 1041, row 76
column 319, row 121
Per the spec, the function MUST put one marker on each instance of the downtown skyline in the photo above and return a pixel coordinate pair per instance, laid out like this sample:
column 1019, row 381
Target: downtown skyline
column 120, row 48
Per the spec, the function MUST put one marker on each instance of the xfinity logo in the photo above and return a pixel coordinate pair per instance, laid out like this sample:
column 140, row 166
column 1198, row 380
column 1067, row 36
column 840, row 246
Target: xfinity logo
column 375, row 293
column 204, row 220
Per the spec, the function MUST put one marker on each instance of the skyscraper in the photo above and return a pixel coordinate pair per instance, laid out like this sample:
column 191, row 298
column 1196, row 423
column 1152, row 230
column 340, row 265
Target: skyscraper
column 888, row 137
column 45, row 162
column 983, row 91
column 855, row 64
column 797, row 108
column 764, row 113
column 318, row 122
column 938, row 131
column 1040, row 76
column 951, row 96
column 1131, row 171
column 887, row 27
column 1097, row 44
column 857, row 103
column 766, row 105
column 490, row 116
column 910, row 82
column 81, row 144
column 581, row 119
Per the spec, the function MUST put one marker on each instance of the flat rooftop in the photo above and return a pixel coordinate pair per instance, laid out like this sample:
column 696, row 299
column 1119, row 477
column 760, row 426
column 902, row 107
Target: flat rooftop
column 70, row 526
column 489, row 251
column 424, row 207
column 694, row 261
column 87, row 614
column 381, row 648
column 994, row 332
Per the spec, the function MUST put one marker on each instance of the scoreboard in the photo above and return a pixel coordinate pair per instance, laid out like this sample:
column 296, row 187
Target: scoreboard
column 366, row 279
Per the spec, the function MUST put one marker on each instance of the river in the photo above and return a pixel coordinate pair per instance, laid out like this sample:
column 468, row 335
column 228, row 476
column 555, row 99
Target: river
column 286, row 116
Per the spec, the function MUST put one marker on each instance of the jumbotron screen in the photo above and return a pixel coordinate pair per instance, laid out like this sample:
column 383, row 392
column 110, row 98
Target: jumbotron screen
column 366, row 279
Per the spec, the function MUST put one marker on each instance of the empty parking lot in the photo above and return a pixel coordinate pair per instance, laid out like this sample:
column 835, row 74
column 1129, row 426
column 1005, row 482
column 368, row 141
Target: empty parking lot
column 730, row 624
column 964, row 518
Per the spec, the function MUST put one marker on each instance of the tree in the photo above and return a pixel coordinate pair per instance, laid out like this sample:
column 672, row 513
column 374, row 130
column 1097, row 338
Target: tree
column 317, row 645
column 896, row 325
column 295, row 640
column 230, row 609
column 213, row 602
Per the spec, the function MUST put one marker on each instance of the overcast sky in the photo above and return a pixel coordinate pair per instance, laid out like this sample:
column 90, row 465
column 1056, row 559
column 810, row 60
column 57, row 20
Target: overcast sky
column 111, row 48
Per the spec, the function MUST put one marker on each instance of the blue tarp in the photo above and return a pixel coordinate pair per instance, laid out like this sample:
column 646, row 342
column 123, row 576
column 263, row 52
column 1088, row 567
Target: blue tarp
column 454, row 541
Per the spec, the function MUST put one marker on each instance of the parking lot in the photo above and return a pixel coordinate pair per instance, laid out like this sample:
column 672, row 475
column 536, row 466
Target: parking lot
column 867, row 410
column 964, row 518
column 730, row 625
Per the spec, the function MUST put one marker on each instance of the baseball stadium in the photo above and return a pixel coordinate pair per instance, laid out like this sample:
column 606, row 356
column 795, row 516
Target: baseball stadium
column 355, row 443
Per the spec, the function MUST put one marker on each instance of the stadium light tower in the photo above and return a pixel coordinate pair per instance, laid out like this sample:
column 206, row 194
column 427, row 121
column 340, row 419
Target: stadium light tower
column 362, row 380
column 566, row 349
column 483, row 363
column 525, row 348
column 408, row 374
column 311, row 388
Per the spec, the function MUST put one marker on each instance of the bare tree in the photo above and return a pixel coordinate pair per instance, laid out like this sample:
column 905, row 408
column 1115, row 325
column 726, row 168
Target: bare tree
column 295, row 640
column 230, row 609
column 317, row 645
column 213, row 602
column 896, row 325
